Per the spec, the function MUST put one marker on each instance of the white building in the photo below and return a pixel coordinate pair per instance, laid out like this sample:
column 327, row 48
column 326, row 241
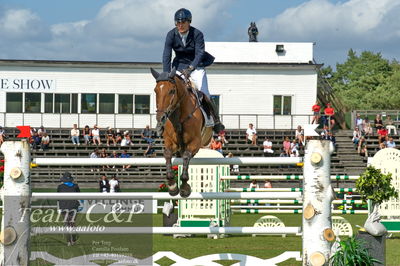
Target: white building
column 272, row 85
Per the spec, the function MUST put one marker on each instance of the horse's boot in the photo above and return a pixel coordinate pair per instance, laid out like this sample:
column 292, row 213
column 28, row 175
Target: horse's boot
column 184, row 189
column 218, row 126
column 173, row 190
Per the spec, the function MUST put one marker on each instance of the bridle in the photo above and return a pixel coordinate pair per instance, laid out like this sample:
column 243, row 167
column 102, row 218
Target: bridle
column 166, row 114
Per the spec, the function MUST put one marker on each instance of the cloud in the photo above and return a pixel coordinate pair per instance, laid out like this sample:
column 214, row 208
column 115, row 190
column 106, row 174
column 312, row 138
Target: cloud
column 357, row 24
column 123, row 30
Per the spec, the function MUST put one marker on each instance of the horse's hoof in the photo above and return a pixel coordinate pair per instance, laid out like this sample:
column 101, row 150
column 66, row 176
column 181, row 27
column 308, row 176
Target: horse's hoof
column 185, row 190
column 173, row 192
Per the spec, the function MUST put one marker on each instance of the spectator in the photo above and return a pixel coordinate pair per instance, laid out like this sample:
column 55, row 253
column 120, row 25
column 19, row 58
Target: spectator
column 216, row 145
column 294, row 153
column 110, row 135
column 114, row 155
column 378, row 122
column 86, row 134
column 382, row 145
column 126, row 141
column 294, row 148
column 316, row 108
column 150, row 151
column 36, row 141
column 364, row 151
column 324, row 132
column 356, row 136
column 390, row 143
column 235, row 167
column 68, row 208
column 75, row 135
column 125, row 155
column 361, row 143
column 119, row 136
column 114, row 184
column 267, row 184
column 359, row 122
column 267, row 144
column 367, row 128
column 103, row 154
column 2, row 135
column 382, row 134
column 390, row 125
column 254, row 184
column 329, row 113
column 45, row 141
column 300, row 135
column 96, row 135
column 147, row 134
column 332, row 138
column 104, row 184
column 95, row 153
column 251, row 134
column 286, row 146
column 221, row 137
column 41, row 131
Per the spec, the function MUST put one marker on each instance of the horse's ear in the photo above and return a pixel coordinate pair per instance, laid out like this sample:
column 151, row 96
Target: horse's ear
column 172, row 73
column 154, row 73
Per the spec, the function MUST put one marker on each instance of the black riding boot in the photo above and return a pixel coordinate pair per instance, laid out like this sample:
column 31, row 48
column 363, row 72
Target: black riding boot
column 218, row 126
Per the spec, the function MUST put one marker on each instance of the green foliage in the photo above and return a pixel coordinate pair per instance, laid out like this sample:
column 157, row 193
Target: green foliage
column 376, row 186
column 366, row 82
column 352, row 252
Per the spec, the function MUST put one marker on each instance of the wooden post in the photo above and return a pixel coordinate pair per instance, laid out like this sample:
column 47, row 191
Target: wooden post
column 16, row 191
column 317, row 199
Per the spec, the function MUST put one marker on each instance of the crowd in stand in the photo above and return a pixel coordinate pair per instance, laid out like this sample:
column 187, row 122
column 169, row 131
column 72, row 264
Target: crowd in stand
column 384, row 130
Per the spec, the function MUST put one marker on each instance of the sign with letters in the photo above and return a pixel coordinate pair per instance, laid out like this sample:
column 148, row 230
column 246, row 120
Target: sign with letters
column 27, row 84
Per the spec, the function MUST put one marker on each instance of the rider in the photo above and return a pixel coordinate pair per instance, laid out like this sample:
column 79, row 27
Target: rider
column 190, row 57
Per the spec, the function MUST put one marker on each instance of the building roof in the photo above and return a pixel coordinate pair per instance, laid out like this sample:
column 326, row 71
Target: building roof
column 261, row 52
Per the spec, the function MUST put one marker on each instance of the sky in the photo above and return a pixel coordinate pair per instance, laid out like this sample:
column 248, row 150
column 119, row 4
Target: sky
column 134, row 30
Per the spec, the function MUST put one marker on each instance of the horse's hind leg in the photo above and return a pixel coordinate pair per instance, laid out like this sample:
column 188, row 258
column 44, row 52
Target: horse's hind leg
column 185, row 189
column 172, row 186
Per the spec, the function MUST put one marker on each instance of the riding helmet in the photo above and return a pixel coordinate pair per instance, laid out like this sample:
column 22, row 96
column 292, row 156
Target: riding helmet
column 183, row 15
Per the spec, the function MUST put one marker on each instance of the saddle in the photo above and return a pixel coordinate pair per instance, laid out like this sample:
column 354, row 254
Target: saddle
column 203, row 106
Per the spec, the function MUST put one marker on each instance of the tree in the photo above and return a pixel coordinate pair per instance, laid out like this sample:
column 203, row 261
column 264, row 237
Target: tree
column 367, row 81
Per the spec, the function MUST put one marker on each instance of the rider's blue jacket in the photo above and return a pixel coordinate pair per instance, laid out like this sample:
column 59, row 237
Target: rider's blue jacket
column 192, row 54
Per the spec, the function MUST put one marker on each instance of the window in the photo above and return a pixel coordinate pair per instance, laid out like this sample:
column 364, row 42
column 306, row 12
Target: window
column 125, row 104
column 88, row 103
column 74, row 103
column 48, row 102
column 215, row 99
column 62, row 103
column 282, row 105
column 32, row 102
column 14, row 102
column 106, row 103
column 142, row 104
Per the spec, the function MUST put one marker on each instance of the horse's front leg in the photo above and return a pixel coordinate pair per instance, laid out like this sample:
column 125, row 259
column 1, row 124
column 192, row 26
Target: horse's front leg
column 172, row 186
column 185, row 189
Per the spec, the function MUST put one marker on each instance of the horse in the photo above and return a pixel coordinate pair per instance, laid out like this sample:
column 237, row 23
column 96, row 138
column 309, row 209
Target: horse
column 181, row 124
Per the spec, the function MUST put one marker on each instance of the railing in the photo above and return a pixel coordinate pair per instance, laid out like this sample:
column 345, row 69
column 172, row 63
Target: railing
column 231, row 121
column 371, row 114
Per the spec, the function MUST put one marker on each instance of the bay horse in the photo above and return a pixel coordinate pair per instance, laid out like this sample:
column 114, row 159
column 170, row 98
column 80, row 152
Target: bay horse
column 181, row 124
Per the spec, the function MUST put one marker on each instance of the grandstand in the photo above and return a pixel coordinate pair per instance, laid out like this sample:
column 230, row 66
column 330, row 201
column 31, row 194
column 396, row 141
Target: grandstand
column 345, row 159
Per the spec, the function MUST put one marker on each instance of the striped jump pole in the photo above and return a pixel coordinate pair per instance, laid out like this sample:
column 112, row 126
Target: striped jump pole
column 252, row 201
column 166, row 230
column 258, row 211
column 343, row 190
column 283, row 177
column 255, row 161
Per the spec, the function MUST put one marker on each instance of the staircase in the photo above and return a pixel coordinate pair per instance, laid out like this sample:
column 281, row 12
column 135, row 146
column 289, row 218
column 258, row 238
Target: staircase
column 352, row 162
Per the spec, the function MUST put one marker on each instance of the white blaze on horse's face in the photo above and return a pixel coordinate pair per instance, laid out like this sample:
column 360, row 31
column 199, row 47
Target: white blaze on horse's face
column 165, row 97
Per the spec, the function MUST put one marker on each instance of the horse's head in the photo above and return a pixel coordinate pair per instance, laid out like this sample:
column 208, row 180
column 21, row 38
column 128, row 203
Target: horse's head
column 166, row 95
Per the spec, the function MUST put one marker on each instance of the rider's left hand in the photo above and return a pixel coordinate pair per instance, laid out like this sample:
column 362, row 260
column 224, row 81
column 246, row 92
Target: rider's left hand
column 187, row 71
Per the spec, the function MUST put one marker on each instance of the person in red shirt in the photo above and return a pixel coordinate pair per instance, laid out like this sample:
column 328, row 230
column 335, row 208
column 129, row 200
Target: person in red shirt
column 329, row 113
column 217, row 145
column 382, row 135
column 316, row 108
